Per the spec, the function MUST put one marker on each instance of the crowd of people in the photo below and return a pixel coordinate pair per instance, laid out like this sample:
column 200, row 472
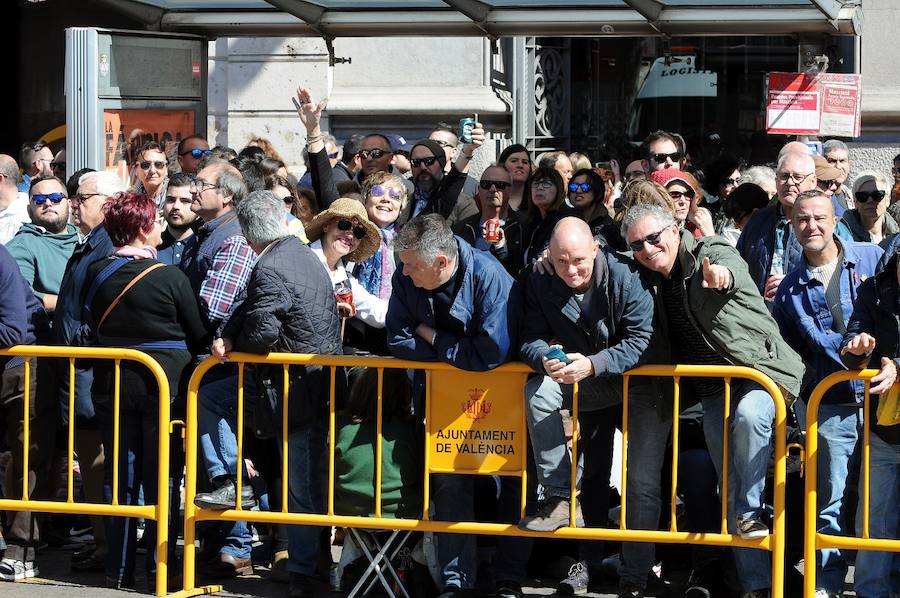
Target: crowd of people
column 581, row 270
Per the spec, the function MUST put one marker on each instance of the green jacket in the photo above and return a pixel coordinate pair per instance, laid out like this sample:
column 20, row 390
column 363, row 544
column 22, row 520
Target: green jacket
column 42, row 256
column 735, row 322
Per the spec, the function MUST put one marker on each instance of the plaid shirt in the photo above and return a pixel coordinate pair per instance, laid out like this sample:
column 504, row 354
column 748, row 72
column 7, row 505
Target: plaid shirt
column 226, row 278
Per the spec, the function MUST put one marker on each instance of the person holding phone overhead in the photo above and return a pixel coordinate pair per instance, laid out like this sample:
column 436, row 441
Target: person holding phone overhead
column 587, row 323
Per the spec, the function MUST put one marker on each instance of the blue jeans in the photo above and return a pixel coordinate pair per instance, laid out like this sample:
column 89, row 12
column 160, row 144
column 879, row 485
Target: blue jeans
column 454, row 500
column 751, row 429
column 878, row 573
column 306, row 445
column 838, row 435
column 217, row 424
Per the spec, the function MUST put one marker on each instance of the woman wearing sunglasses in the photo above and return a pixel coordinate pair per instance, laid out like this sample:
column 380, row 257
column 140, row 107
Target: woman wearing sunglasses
column 341, row 236
column 684, row 190
column 152, row 169
column 545, row 197
column 586, row 194
column 869, row 220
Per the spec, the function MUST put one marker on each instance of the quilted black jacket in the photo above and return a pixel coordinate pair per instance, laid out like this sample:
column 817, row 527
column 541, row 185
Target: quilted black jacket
column 290, row 307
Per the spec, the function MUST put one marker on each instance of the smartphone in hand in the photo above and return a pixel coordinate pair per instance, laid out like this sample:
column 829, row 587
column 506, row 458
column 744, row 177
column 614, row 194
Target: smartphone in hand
column 557, row 353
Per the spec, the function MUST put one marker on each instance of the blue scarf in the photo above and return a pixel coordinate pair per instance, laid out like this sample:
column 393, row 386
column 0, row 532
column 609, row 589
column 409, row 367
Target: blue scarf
column 375, row 273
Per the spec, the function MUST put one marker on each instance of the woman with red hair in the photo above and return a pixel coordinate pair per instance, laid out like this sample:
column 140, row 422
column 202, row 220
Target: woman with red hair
column 134, row 301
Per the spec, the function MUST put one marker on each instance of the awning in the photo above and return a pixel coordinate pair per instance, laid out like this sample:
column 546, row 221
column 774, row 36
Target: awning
column 496, row 18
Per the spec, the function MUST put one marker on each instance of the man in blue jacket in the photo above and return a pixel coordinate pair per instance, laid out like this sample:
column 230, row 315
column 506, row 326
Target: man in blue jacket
column 813, row 306
column 453, row 303
column 597, row 309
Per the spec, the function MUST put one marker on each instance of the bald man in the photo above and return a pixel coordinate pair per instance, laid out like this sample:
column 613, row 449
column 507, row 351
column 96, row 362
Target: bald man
column 13, row 203
column 596, row 309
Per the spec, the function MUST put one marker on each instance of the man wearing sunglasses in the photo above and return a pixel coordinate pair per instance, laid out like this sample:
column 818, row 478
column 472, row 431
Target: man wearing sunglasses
column 191, row 150
column 375, row 154
column 13, row 203
column 435, row 192
column 813, row 308
column 504, row 241
column 664, row 151
column 711, row 312
column 43, row 246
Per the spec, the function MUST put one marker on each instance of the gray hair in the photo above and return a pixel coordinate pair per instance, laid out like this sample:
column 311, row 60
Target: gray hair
column 881, row 181
column 758, row 175
column 429, row 236
column 231, row 182
column 105, row 183
column 806, row 158
column 638, row 212
column 834, row 145
column 262, row 217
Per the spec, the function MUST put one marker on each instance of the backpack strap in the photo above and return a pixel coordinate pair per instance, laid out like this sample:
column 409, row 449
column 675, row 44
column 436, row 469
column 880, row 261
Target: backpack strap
column 133, row 282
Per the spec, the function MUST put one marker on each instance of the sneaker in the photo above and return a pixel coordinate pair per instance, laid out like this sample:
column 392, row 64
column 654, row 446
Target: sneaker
column 508, row 589
column 628, row 590
column 223, row 497
column 16, row 570
column 823, row 593
column 576, row 583
column 551, row 515
column 751, row 528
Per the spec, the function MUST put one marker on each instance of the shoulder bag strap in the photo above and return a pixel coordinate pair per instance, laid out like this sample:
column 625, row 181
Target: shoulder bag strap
column 133, row 282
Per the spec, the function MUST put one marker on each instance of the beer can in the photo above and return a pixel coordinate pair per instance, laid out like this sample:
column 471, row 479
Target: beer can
column 465, row 129
column 492, row 230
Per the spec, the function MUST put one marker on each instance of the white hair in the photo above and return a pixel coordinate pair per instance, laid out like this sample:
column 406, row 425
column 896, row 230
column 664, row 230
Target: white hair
column 105, row 183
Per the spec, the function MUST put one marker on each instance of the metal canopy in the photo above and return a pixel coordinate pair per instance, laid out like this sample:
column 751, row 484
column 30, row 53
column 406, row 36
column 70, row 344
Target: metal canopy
column 616, row 18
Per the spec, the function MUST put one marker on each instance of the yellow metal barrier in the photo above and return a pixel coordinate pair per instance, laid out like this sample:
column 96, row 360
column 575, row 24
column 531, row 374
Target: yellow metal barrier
column 158, row 512
column 193, row 514
column 813, row 540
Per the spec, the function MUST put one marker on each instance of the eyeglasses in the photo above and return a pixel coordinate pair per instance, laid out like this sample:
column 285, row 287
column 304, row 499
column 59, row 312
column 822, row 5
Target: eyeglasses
column 196, row 153
column 199, row 185
column 58, row 165
column 500, row 185
column 288, row 200
column 416, row 162
column 583, row 187
column 82, row 197
column 732, row 181
column 651, row 239
column 333, row 155
column 40, row 199
column 443, row 143
column 381, row 191
column 864, row 196
column 660, row 158
column 359, row 231
column 823, row 184
column 373, row 154
column 681, row 195
column 542, row 184
column 157, row 164
column 784, row 177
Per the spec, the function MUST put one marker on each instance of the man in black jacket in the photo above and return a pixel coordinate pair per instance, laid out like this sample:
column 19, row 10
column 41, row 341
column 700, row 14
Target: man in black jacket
column 598, row 311
column 493, row 201
column 290, row 307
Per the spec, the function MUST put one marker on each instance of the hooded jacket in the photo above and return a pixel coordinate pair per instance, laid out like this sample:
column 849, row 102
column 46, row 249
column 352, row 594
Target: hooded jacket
column 42, row 256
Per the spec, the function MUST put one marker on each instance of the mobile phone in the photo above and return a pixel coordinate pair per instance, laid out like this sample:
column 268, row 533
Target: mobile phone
column 465, row 128
column 557, row 353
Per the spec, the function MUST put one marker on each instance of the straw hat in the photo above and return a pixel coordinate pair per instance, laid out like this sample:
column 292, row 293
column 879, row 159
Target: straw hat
column 348, row 208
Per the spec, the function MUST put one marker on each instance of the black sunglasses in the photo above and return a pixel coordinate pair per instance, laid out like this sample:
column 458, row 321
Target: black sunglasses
column 583, row 187
column 196, row 153
column 660, row 158
column 866, row 196
column 40, row 199
column 359, row 231
column 500, row 185
column 58, row 165
column 158, row 164
column 426, row 161
column 288, row 200
column 652, row 239
column 372, row 153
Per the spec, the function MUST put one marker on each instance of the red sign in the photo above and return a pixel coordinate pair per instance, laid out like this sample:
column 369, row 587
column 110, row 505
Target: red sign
column 807, row 104
column 126, row 131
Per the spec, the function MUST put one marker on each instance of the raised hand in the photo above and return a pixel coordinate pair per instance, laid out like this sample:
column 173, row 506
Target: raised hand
column 715, row 276
column 308, row 110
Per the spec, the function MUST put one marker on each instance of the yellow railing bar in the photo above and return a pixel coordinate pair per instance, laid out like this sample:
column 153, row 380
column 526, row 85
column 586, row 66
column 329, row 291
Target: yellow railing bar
column 239, row 468
column 26, row 430
column 71, row 478
column 865, row 460
column 623, row 514
column 284, row 440
column 116, row 429
column 426, row 487
column 331, row 437
column 673, row 492
column 726, row 431
column 812, row 540
column 573, row 474
column 378, row 442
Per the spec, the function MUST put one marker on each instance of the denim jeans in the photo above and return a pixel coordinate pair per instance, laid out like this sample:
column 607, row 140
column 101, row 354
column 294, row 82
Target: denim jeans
column 839, row 428
column 217, row 423
column 454, row 500
column 751, row 434
column 878, row 573
column 306, row 445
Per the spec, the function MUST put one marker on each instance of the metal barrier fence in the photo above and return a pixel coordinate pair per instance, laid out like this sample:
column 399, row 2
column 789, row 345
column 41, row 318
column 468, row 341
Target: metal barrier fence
column 158, row 512
column 813, row 540
column 775, row 542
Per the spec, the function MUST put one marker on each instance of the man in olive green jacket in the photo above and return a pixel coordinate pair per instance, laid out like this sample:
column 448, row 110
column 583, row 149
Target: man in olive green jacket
column 713, row 314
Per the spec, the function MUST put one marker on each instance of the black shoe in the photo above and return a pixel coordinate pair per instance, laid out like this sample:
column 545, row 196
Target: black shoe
column 627, row 590
column 301, row 586
column 508, row 589
column 223, row 497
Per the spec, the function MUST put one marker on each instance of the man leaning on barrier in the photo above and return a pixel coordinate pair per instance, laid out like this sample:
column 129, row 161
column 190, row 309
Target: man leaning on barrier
column 713, row 314
column 812, row 307
column 598, row 311
column 873, row 340
column 290, row 307
column 455, row 304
